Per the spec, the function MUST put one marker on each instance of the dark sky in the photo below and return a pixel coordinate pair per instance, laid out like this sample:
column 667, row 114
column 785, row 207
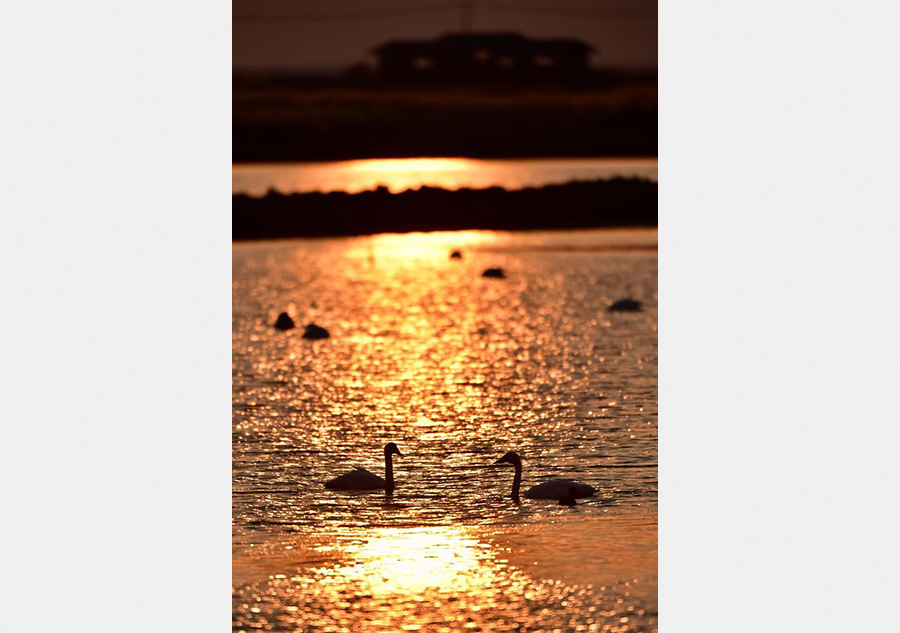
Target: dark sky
column 336, row 33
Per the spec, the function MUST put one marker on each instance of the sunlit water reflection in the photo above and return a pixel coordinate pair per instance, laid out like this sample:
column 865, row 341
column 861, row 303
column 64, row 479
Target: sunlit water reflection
column 457, row 369
column 400, row 174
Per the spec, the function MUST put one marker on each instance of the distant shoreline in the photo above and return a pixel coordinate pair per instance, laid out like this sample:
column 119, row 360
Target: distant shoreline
column 595, row 204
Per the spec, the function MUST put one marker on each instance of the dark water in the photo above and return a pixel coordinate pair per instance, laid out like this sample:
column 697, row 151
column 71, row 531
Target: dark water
column 456, row 369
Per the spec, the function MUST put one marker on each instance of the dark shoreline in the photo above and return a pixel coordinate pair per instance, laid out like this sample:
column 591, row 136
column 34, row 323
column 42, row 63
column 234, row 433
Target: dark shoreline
column 285, row 122
column 625, row 135
column 618, row 202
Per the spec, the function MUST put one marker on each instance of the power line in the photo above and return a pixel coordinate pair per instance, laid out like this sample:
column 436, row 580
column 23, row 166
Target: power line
column 467, row 8
column 575, row 13
column 348, row 15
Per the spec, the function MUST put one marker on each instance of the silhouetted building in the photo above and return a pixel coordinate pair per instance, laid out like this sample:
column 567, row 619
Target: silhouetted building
column 490, row 57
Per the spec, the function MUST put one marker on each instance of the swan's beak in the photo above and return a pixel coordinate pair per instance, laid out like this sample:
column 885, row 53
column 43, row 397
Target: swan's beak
column 399, row 454
column 498, row 462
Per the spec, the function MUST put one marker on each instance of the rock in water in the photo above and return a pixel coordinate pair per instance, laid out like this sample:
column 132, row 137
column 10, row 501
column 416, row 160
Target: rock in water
column 496, row 273
column 314, row 332
column 625, row 305
column 456, row 254
column 284, row 322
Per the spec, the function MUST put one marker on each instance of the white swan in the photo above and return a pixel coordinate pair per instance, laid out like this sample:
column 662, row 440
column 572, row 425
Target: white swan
column 554, row 489
column 362, row 479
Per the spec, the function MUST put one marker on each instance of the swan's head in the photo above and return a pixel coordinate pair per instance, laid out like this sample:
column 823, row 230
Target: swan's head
column 391, row 449
column 510, row 458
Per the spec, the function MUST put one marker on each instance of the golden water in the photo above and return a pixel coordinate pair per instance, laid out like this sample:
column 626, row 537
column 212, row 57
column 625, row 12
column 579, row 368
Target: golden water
column 400, row 174
column 456, row 369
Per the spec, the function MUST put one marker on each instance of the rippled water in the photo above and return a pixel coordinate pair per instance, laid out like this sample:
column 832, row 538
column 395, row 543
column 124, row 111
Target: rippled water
column 456, row 369
column 400, row 174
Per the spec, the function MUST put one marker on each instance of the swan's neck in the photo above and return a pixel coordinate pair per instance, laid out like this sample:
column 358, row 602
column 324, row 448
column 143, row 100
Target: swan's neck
column 389, row 471
column 517, row 480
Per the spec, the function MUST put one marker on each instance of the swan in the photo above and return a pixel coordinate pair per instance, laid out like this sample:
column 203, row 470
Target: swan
column 314, row 332
column 284, row 322
column 362, row 479
column 626, row 305
column 569, row 499
column 553, row 489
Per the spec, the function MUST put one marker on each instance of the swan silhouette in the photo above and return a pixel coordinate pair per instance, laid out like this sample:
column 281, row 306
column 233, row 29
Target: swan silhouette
column 569, row 499
column 553, row 489
column 362, row 479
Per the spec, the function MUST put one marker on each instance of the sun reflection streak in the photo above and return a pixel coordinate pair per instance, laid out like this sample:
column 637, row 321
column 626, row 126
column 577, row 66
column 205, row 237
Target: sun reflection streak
column 406, row 561
column 398, row 174
column 435, row 245
column 440, row 578
column 409, row 173
column 400, row 165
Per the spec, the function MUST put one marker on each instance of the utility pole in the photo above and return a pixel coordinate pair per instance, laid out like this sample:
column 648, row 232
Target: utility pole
column 466, row 9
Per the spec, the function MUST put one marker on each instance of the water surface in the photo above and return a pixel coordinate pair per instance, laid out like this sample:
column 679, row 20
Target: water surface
column 401, row 174
column 457, row 369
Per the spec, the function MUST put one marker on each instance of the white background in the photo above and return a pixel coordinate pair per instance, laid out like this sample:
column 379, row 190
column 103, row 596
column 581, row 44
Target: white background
column 778, row 206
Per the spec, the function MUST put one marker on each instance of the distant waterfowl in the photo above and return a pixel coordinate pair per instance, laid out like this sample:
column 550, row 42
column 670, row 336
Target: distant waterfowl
column 456, row 254
column 569, row 499
column 362, row 479
column 284, row 322
column 496, row 273
column 625, row 305
column 554, row 489
column 314, row 332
